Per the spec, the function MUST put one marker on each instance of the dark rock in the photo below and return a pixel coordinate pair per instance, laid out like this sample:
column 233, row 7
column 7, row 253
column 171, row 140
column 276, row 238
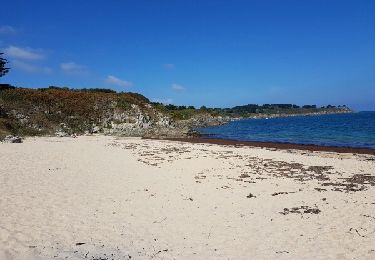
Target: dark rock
column 250, row 196
column 12, row 139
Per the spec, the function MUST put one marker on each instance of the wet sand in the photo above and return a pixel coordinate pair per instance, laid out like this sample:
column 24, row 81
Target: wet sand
column 100, row 197
column 283, row 146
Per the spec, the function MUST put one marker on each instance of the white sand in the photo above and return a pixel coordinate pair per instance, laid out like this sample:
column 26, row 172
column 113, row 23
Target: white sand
column 169, row 200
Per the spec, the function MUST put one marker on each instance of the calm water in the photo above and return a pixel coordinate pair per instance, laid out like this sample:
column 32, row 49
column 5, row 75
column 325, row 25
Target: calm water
column 351, row 130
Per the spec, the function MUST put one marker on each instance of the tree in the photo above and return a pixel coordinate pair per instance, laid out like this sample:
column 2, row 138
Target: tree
column 171, row 107
column 3, row 70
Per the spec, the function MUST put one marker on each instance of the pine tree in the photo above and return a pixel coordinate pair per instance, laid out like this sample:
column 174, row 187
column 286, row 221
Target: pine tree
column 3, row 70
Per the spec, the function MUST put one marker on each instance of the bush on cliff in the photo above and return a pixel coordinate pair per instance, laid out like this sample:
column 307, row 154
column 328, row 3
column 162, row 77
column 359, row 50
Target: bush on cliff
column 44, row 109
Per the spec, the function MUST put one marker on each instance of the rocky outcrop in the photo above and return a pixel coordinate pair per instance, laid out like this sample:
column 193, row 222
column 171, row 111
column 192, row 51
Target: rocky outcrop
column 202, row 120
column 135, row 122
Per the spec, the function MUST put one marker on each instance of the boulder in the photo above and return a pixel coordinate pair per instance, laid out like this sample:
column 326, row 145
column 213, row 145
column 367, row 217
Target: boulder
column 96, row 129
column 12, row 139
column 61, row 133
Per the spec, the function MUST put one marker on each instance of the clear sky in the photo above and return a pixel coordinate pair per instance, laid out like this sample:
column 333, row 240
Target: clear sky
column 197, row 52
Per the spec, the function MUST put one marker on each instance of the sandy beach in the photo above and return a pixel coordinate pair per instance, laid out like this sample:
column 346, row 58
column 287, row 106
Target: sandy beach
column 101, row 197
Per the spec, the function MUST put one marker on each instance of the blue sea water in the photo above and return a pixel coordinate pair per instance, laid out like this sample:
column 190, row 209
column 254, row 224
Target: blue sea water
column 345, row 130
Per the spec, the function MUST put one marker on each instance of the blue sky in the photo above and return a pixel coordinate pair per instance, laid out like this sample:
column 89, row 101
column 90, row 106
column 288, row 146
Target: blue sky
column 214, row 53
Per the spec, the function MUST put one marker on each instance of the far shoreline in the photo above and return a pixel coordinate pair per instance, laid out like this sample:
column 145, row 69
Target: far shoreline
column 276, row 145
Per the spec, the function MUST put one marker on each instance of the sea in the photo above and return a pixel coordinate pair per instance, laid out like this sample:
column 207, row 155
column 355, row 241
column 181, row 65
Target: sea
column 355, row 130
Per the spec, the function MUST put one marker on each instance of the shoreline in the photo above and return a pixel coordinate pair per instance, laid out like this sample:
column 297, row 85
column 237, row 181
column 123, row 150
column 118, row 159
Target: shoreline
column 282, row 146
